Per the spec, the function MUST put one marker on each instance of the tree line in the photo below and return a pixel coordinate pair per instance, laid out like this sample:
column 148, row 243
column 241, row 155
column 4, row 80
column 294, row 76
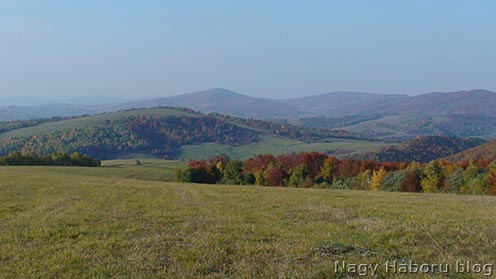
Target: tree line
column 56, row 159
column 317, row 170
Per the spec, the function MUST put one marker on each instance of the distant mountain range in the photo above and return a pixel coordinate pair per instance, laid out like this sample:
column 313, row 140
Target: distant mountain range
column 211, row 100
column 344, row 103
column 223, row 101
column 374, row 115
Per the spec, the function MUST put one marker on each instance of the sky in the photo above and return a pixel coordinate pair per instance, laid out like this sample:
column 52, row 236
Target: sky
column 55, row 49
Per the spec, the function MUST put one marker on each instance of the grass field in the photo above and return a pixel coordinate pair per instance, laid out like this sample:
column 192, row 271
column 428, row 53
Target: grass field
column 149, row 170
column 276, row 145
column 70, row 223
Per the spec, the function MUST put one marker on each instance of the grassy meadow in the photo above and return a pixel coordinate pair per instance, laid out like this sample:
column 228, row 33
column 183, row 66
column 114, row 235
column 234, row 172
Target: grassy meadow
column 276, row 145
column 146, row 169
column 106, row 223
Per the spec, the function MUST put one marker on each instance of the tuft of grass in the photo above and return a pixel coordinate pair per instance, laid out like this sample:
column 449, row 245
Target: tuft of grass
column 64, row 225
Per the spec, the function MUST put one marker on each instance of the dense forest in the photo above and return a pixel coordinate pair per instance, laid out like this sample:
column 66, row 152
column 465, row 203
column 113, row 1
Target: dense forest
column 322, row 171
column 422, row 149
column 482, row 153
column 56, row 159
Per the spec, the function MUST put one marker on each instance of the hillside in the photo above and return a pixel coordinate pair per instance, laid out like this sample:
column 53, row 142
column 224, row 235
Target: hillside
column 475, row 101
column 406, row 126
column 423, row 149
column 70, row 225
column 162, row 133
column 484, row 152
column 345, row 103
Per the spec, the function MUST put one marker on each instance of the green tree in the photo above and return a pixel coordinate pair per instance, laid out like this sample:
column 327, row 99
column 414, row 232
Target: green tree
column 433, row 178
column 62, row 159
column 362, row 180
column 232, row 173
column 297, row 176
column 473, row 178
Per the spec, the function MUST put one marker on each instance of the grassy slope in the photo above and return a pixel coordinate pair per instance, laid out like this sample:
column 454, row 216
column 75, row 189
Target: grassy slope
column 149, row 170
column 68, row 225
column 385, row 126
column 404, row 126
column 277, row 145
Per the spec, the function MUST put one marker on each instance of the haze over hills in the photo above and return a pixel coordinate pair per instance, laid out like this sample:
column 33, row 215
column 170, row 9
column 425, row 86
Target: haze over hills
column 25, row 101
column 223, row 101
column 36, row 101
column 475, row 101
column 344, row 103
column 228, row 102
column 470, row 113
column 212, row 100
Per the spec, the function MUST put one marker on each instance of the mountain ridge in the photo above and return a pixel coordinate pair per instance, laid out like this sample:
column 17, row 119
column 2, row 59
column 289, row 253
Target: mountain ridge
column 339, row 103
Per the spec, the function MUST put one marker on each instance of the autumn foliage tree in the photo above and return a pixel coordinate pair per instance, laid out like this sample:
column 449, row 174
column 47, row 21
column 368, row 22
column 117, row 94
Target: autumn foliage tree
column 491, row 179
column 411, row 183
column 377, row 178
column 319, row 170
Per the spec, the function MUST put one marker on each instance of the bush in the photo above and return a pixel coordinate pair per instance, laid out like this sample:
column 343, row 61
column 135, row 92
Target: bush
column 392, row 181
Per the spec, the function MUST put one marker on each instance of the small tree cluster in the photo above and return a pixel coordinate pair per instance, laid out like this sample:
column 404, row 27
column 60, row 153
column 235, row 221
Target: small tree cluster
column 56, row 159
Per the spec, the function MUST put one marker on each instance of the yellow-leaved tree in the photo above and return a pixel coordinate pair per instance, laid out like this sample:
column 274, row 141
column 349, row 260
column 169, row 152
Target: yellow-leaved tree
column 377, row 178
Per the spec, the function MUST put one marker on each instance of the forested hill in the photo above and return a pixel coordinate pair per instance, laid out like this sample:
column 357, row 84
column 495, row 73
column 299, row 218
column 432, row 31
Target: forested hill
column 423, row 149
column 158, row 132
column 482, row 153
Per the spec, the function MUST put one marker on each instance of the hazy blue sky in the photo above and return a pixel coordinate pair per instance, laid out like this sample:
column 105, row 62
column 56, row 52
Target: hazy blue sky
column 62, row 49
